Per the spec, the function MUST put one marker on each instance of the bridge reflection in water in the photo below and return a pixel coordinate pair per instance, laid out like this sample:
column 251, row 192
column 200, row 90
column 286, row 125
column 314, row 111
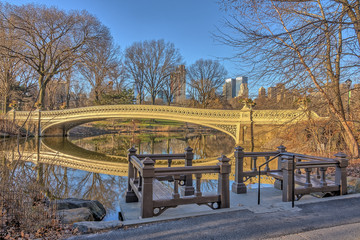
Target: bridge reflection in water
column 103, row 172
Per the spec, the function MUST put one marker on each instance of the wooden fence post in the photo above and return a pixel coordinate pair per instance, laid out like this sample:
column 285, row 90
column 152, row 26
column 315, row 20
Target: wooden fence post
column 281, row 149
column 278, row 184
column 223, row 181
column 189, row 188
column 340, row 172
column 130, row 194
column 238, row 185
column 288, row 171
column 147, row 206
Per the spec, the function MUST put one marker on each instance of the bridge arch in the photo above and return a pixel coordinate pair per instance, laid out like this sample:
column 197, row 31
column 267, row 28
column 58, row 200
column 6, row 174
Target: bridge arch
column 58, row 122
column 65, row 126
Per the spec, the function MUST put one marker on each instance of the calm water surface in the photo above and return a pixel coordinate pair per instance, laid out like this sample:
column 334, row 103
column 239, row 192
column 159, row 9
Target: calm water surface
column 96, row 167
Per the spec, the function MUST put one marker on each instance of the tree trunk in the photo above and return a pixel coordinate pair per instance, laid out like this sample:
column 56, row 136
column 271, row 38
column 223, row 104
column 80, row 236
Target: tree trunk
column 97, row 99
column 41, row 100
column 349, row 137
column 42, row 86
column 68, row 90
column 5, row 104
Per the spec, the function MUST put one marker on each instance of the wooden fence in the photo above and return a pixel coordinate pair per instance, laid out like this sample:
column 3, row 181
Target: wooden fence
column 296, row 174
column 145, row 182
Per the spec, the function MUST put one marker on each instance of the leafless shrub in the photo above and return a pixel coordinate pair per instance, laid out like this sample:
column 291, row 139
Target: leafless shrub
column 25, row 212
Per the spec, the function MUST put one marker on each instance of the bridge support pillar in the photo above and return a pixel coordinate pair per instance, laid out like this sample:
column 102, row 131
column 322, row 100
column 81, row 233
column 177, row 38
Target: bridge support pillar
column 244, row 133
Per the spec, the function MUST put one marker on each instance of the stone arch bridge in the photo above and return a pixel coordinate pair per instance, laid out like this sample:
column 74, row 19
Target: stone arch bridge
column 232, row 122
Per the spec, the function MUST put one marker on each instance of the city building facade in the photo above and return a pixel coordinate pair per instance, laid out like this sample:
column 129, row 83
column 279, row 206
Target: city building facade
column 178, row 83
column 236, row 87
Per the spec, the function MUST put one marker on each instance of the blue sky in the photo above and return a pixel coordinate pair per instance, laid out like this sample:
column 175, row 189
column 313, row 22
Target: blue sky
column 186, row 23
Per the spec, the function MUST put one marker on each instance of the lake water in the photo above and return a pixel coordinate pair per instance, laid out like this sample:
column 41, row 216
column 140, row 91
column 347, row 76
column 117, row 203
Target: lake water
column 96, row 167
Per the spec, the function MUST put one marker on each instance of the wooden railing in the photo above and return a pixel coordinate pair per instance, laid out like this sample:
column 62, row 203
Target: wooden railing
column 187, row 156
column 241, row 176
column 296, row 174
column 144, row 183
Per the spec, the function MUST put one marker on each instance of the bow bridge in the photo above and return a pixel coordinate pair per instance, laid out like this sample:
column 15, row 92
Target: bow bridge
column 232, row 122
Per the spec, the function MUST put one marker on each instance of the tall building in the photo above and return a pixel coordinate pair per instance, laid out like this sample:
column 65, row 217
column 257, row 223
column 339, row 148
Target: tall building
column 262, row 92
column 236, row 87
column 178, row 83
column 272, row 93
column 228, row 89
column 243, row 90
column 280, row 92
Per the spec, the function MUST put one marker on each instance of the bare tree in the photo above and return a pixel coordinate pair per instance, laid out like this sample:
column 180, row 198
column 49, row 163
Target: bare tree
column 78, row 96
column 51, row 40
column 9, row 67
column 307, row 43
column 351, row 8
column 9, row 70
column 16, row 79
column 134, row 65
column 101, row 65
column 206, row 77
column 150, row 64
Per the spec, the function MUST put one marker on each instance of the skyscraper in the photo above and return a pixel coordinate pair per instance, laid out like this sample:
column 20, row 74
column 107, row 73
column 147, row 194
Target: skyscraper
column 262, row 93
column 178, row 83
column 236, row 87
column 242, row 89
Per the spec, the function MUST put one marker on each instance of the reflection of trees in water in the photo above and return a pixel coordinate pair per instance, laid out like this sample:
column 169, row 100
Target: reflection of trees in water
column 212, row 145
column 204, row 146
column 162, row 145
column 59, row 182
column 209, row 185
column 116, row 145
column 64, row 182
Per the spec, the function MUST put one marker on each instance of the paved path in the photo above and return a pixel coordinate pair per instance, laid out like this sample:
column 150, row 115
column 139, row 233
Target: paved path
column 333, row 219
column 348, row 232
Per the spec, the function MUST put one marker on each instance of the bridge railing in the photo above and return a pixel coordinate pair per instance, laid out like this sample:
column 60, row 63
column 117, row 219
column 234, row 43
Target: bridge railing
column 186, row 181
column 296, row 174
column 156, row 198
column 309, row 174
column 256, row 158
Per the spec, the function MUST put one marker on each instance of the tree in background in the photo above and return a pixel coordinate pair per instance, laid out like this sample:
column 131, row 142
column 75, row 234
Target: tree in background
column 16, row 79
column 150, row 64
column 51, row 40
column 78, row 96
column 124, row 96
column 10, row 68
column 206, row 77
column 101, row 65
column 312, row 44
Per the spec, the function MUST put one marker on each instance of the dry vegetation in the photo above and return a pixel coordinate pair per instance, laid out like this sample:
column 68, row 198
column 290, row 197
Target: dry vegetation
column 25, row 212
